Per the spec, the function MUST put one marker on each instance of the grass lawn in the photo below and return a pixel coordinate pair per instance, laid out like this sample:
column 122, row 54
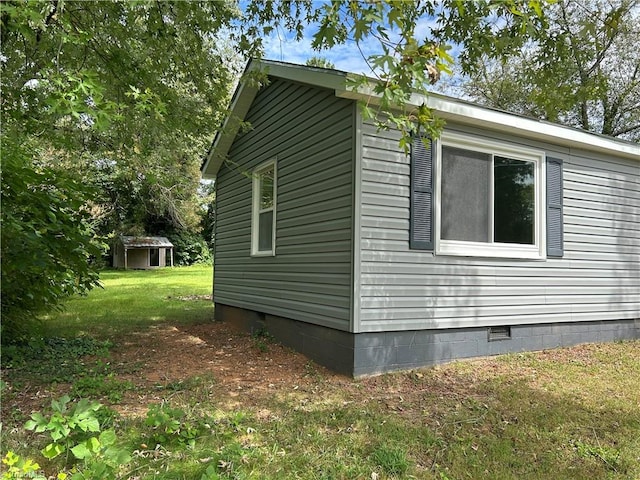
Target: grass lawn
column 190, row 399
column 135, row 299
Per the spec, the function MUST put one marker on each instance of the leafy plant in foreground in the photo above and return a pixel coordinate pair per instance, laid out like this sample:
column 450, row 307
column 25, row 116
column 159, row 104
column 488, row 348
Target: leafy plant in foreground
column 170, row 425
column 17, row 468
column 68, row 427
column 76, row 429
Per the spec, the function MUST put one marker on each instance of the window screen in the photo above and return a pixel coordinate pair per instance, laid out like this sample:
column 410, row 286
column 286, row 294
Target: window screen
column 465, row 195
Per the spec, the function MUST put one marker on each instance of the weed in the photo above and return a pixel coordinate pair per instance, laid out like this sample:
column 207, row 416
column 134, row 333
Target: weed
column 67, row 426
column 17, row 468
column 190, row 383
column 170, row 426
column 236, row 420
column 311, row 370
column 609, row 456
column 75, row 428
column 107, row 386
column 393, row 460
column 211, row 473
column 261, row 339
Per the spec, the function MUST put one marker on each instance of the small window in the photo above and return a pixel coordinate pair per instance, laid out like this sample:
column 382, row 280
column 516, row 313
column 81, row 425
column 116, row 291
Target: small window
column 263, row 229
column 490, row 198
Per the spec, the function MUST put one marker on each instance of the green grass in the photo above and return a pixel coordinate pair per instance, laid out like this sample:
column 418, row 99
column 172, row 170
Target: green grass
column 135, row 299
column 561, row 414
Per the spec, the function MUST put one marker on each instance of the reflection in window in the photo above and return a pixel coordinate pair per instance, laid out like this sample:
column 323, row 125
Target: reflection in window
column 265, row 214
column 264, row 194
column 266, row 188
column 513, row 201
column 465, row 195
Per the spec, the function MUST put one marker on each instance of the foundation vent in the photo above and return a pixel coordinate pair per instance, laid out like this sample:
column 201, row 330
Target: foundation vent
column 499, row 333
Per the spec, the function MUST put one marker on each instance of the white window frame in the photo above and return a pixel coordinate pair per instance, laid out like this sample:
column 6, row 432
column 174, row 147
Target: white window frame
column 256, row 210
column 537, row 251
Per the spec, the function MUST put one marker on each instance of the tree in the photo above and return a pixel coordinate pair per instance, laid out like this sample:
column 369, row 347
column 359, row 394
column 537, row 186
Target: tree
column 122, row 96
column 321, row 62
column 412, row 57
column 47, row 246
column 137, row 87
column 582, row 71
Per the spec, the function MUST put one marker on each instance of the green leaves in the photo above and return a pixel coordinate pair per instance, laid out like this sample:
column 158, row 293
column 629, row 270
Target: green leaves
column 67, row 425
column 17, row 467
column 73, row 429
column 407, row 62
column 47, row 239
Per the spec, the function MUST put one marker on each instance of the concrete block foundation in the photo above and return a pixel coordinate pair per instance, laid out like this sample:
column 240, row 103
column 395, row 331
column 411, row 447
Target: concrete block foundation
column 361, row 354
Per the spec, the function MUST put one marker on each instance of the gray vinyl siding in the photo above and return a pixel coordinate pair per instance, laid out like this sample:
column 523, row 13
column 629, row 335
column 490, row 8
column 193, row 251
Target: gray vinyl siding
column 598, row 278
column 310, row 131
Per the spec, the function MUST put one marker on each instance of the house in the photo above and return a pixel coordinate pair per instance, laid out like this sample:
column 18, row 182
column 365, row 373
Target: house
column 507, row 234
column 142, row 252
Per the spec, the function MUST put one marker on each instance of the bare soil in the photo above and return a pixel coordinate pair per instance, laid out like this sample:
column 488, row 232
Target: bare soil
column 243, row 369
column 245, row 372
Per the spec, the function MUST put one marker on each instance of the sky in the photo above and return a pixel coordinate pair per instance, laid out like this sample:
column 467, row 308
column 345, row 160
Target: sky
column 282, row 46
column 349, row 57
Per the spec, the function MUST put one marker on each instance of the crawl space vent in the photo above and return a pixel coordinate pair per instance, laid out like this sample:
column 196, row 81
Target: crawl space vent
column 499, row 333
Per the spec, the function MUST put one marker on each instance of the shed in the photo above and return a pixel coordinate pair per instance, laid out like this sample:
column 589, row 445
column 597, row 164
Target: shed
column 506, row 234
column 142, row 252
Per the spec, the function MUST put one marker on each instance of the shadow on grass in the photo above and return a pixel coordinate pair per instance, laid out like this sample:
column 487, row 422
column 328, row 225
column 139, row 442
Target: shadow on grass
column 515, row 432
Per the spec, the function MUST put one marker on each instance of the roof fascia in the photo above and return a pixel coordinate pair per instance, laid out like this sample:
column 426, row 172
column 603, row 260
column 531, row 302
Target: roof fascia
column 476, row 115
column 446, row 107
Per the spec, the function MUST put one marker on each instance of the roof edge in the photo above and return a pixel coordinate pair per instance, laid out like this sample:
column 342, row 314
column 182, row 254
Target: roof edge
column 245, row 94
column 448, row 108
column 470, row 113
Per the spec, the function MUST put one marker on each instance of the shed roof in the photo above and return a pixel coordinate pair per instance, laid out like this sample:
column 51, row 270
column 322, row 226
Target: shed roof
column 143, row 242
column 447, row 108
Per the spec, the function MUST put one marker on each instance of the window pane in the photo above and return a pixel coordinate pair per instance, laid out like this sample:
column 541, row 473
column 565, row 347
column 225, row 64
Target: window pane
column 266, row 189
column 465, row 195
column 265, row 231
column 514, row 201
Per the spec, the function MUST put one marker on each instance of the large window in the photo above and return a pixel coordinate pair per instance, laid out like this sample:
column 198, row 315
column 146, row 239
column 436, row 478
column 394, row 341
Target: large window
column 263, row 227
column 491, row 198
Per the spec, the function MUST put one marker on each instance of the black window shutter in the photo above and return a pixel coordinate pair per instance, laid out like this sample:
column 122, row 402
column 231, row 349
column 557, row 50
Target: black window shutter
column 421, row 222
column 555, row 224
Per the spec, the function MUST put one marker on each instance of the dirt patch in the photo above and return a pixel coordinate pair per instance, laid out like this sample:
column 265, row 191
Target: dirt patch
column 245, row 372
column 240, row 368
column 191, row 298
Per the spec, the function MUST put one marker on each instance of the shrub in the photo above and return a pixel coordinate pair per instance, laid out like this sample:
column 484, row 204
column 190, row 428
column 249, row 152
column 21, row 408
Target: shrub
column 188, row 248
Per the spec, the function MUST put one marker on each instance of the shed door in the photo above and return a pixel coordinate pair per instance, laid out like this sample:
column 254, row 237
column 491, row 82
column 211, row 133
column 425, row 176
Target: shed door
column 154, row 257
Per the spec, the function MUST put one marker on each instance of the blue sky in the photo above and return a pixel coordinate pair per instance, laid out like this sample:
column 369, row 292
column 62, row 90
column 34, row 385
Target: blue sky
column 281, row 45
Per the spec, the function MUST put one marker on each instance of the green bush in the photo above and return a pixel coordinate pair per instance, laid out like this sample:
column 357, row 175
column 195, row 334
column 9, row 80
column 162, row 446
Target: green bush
column 189, row 248
column 48, row 241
